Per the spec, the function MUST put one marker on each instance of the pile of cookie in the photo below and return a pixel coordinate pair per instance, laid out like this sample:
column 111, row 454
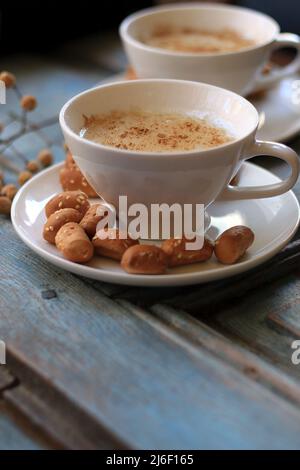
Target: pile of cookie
column 72, row 226
column 72, row 179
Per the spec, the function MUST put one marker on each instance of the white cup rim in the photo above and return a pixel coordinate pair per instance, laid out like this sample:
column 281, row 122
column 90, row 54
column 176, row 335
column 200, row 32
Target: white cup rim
column 151, row 155
column 127, row 22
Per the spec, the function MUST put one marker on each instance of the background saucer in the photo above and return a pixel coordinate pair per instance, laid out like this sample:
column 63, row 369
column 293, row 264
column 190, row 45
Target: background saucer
column 279, row 110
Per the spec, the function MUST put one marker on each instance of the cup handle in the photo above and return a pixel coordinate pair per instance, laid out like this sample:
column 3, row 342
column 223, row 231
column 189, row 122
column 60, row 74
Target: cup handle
column 283, row 40
column 272, row 149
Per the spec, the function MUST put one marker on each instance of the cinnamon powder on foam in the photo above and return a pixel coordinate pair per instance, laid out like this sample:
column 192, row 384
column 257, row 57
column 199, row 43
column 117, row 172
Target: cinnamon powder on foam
column 198, row 41
column 151, row 132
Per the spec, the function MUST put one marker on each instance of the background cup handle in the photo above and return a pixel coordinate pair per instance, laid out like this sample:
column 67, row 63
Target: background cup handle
column 284, row 40
column 257, row 192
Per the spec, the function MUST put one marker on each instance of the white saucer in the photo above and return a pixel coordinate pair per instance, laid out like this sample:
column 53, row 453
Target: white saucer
column 273, row 220
column 279, row 109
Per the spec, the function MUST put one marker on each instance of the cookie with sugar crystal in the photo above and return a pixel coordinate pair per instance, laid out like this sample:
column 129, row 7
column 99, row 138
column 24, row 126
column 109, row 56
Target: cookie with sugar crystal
column 71, row 178
column 108, row 242
column 69, row 199
column 179, row 255
column 144, row 259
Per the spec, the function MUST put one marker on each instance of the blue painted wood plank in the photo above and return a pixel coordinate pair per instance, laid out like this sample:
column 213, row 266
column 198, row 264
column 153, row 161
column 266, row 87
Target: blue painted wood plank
column 132, row 374
column 266, row 321
column 13, row 438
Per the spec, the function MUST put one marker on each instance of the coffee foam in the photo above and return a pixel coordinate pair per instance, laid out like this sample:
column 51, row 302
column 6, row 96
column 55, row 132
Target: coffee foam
column 154, row 132
column 197, row 41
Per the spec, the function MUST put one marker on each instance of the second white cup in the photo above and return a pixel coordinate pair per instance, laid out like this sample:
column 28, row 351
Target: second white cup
column 239, row 71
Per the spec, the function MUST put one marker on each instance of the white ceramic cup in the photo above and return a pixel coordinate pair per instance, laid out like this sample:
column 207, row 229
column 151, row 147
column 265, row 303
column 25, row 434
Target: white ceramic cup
column 239, row 71
column 186, row 177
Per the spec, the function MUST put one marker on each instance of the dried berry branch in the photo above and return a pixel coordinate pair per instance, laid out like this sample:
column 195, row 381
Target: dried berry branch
column 27, row 103
column 27, row 128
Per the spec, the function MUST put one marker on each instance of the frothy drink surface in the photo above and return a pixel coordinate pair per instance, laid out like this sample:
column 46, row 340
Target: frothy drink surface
column 193, row 40
column 151, row 132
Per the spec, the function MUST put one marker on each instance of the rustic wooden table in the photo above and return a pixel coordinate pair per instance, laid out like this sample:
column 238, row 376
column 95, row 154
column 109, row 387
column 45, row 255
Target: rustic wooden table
column 93, row 365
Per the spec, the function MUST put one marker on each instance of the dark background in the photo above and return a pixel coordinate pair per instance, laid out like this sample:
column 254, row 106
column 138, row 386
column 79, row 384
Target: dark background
column 42, row 26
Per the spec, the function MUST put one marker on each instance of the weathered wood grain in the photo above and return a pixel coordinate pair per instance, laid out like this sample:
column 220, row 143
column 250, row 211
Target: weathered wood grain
column 211, row 298
column 58, row 419
column 6, row 379
column 133, row 376
column 197, row 332
column 287, row 317
column 251, row 324
column 12, row 437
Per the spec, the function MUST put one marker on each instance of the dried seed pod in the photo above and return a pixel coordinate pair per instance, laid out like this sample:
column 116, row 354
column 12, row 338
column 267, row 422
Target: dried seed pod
column 8, row 78
column 9, row 190
column 28, row 102
column 57, row 220
column 74, row 199
column 5, row 205
column 74, row 244
column 113, row 247
column 144, row 259
column 232, row 244
column 32, row 166
column 91, row 218
column 45, row 157
column 178, row 255
column 24, row 176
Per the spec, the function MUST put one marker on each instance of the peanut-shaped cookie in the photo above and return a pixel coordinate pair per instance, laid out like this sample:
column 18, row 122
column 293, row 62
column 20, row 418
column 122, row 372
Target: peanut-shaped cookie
column 144, row 259
column 72, row 179
column 232, row 244
column 57, row 220
column 74, row 243
column 73, row 199
column 130, row 73
column 91, row 218
column 113, row 247
column 69, row 161
column 178, row 255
